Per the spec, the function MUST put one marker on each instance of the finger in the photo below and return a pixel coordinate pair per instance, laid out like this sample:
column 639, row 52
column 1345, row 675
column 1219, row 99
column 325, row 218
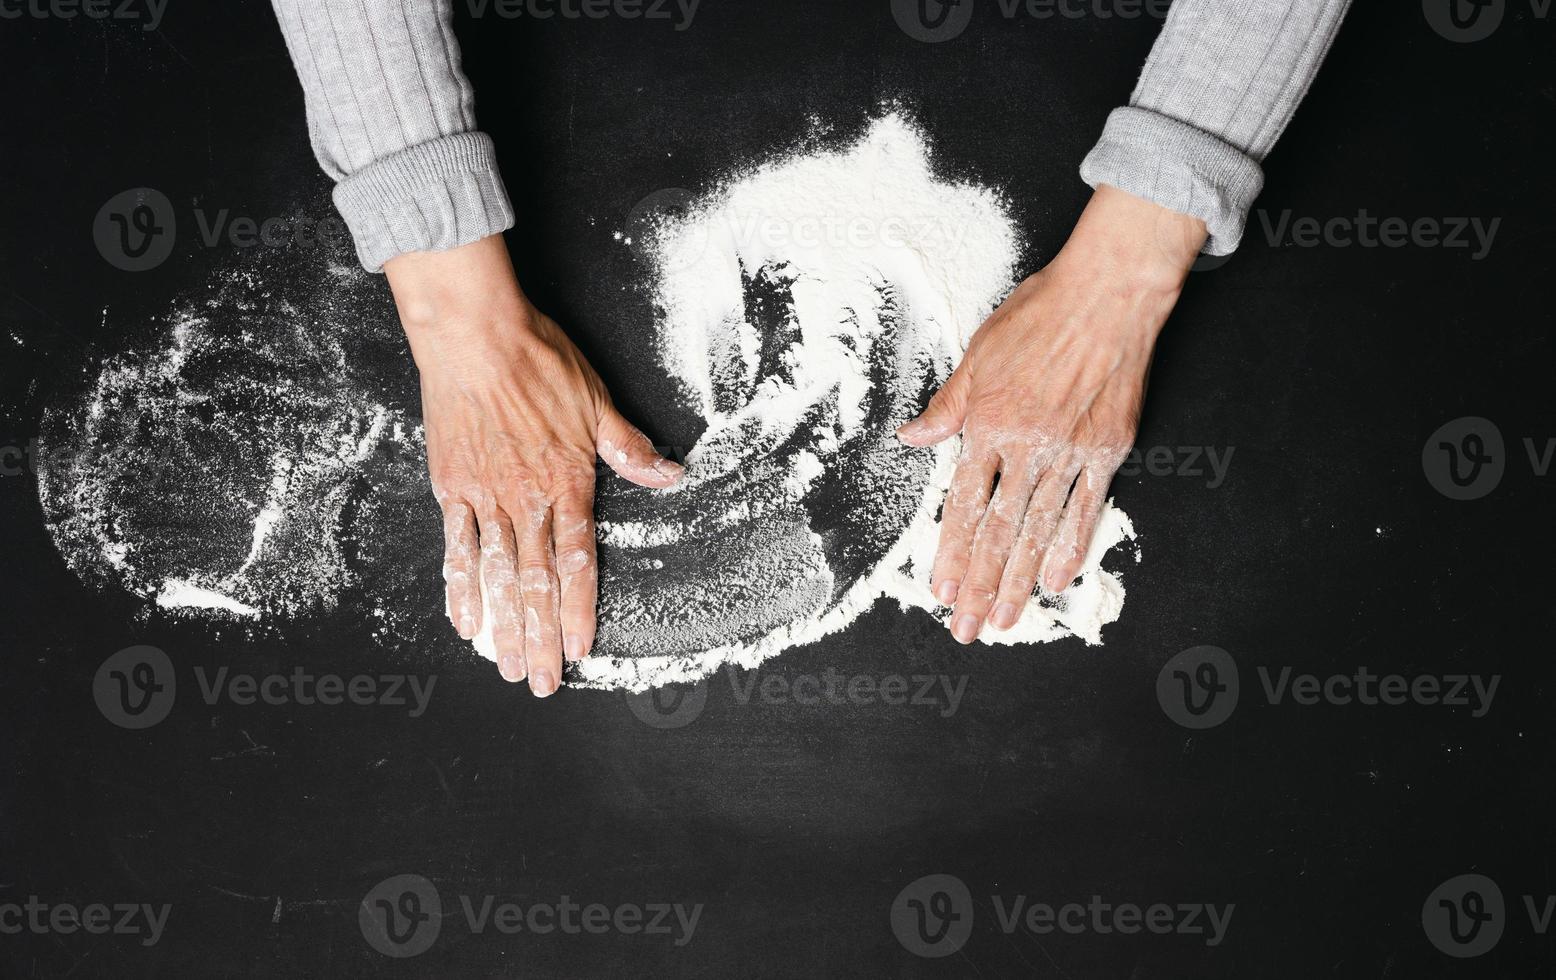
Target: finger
column 943, row 418
column 630, row 453
column 1073, row 537
column 461, row 568
column 992, row 545
column 542, row 620
column 573, row 531
column 965, row 503
column 500, row 572
column 1037, row 530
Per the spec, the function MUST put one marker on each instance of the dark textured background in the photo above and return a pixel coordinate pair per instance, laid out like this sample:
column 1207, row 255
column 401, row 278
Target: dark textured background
column 1060, row 776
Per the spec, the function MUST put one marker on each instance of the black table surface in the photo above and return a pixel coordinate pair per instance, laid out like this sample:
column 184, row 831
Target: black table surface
column 1323, row 369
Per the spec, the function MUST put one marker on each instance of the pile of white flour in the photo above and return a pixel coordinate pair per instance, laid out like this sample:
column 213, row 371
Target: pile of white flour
column 806, row 309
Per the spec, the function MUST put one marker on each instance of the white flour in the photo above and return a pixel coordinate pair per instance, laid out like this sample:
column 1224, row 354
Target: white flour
column 213, row 474
column 254, row 457
column 806, row 309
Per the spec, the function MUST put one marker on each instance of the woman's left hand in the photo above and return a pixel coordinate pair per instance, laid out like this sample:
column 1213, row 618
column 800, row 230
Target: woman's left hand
column 1047, row 399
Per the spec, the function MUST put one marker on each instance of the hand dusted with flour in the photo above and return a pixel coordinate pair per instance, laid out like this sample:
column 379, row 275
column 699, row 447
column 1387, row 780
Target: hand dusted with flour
column 1047, row 400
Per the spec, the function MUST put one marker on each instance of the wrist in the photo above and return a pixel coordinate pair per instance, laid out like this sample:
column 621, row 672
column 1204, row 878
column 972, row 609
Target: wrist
column 459, row 303
column 1144, row 245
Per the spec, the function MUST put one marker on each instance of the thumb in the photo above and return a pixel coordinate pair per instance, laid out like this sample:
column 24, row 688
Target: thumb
column 628, row 451
column 944, row 416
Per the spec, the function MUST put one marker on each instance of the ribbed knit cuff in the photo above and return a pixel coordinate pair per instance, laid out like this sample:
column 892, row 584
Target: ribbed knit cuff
column 431, row 197
column 1179, row 167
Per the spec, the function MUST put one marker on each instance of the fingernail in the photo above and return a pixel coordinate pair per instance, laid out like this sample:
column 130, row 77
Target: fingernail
column 467, row 627
column 1058, row 580
column 669, row 469
column 510, row 668
column 542, row 684
column 945, row 592
column 965, row 629
column 573, row 644
column 1004, row 616
column 911, row 430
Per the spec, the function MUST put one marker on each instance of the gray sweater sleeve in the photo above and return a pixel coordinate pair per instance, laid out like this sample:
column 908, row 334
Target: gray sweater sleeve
column 1219, row 87
column 392, row 120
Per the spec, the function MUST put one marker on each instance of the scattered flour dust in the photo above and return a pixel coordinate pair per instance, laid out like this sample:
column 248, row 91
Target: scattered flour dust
column 214, row 472
column 255, row 456
column 805, row 310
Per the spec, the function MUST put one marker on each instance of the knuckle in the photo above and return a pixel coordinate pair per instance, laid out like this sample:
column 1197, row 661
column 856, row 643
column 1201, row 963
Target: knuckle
column 1018, row 583
column 535, row 580
column 496, row 565
column 573, row 561
column 997, row 526
column 573, row 526
column 976, row 594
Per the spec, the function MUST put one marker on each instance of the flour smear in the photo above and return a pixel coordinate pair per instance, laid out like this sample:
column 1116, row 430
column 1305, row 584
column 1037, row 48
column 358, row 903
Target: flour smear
column 255, row 457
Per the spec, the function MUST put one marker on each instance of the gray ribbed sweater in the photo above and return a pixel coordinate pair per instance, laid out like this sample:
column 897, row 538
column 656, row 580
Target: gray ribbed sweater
column 391, row 116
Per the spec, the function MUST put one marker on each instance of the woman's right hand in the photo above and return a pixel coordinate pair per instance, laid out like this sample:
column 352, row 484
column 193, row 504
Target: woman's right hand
column 514, row 418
